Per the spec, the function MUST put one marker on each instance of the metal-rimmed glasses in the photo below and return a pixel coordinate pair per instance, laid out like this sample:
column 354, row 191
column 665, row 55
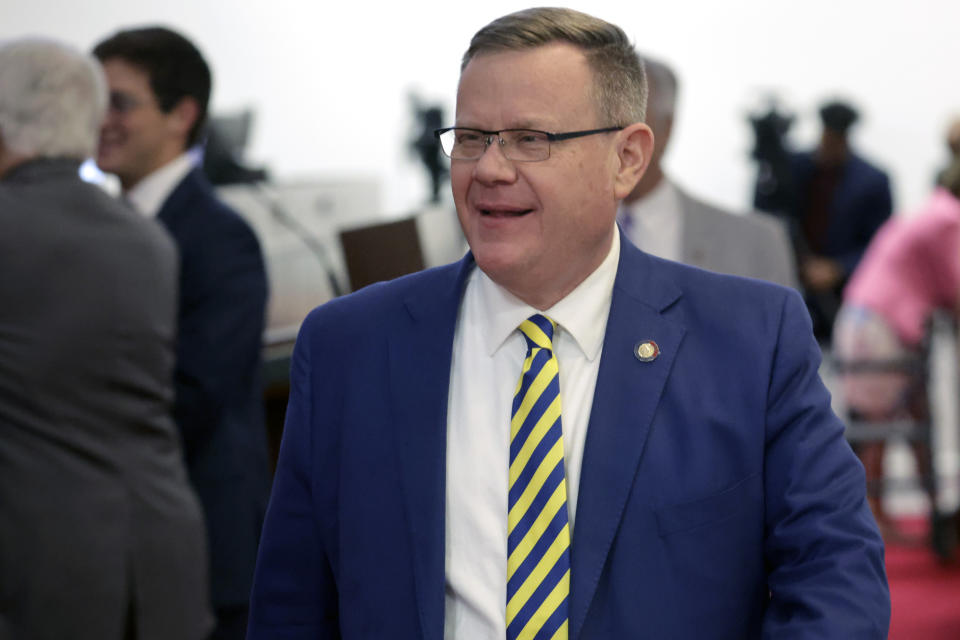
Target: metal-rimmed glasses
column 520, row 145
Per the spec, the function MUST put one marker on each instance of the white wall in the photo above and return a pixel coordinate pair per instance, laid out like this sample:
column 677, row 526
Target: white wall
column 330, row 81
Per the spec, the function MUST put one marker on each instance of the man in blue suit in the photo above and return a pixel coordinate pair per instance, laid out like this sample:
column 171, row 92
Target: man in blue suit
column 841, row 202
column 159, row 89
column 682, row 476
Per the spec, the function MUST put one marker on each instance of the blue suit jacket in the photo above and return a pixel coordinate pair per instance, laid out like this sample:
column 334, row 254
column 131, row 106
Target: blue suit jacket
column 219, row 405
column 718, row 498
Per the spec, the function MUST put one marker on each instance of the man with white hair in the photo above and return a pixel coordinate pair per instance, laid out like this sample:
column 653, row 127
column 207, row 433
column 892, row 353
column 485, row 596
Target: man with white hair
column 101, row 537
column 663, row 219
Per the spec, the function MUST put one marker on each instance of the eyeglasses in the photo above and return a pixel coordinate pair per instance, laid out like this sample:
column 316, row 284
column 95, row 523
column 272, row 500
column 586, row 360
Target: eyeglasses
column 520, row 145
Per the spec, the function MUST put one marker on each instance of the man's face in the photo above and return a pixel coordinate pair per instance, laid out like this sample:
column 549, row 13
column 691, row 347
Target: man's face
column 137, row 137
column 833, row 148
column 536, row 228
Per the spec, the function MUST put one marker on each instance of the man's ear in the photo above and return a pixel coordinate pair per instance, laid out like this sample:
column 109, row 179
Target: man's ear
column 634, row 151
column 183, row 116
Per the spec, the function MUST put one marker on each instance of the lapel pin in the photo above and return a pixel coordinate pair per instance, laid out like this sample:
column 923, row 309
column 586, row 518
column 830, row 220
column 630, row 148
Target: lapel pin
column 646, row 351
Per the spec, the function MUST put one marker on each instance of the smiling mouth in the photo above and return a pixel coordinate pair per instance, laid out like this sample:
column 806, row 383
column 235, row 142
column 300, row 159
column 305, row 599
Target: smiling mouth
column 504, row 213
column 109, row 143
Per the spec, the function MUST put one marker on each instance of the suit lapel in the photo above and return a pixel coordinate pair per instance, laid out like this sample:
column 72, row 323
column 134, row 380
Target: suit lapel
column 420, row 354
column 626, row 397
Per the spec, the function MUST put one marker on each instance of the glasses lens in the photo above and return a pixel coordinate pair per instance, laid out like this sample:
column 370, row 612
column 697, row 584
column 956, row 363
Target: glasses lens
column 522, row 145
column 525, row 145
column 122, row 102
column 463, row 144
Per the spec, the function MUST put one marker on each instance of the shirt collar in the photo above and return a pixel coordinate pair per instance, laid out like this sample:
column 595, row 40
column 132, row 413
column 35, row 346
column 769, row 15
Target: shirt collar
column 582, row 313
column 148, row 195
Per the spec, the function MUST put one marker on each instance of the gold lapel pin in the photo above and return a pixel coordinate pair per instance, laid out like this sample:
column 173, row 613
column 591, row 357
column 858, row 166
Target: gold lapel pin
column 646, row 351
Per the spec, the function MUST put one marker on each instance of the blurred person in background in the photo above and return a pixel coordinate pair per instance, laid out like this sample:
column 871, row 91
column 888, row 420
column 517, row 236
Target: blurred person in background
column 953, row 147
column 911, row 269
column 101, row 537
column 663, row 219
column 841, row 201
column 159, row 91
column 953, row 138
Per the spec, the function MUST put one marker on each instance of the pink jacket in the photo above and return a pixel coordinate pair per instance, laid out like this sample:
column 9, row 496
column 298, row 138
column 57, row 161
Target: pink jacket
column 911, row 267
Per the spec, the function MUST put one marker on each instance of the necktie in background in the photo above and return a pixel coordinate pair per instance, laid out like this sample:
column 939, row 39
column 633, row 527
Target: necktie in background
column 538, row 539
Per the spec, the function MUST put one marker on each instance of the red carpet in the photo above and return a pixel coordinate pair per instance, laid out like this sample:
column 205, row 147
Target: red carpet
column 925, row 592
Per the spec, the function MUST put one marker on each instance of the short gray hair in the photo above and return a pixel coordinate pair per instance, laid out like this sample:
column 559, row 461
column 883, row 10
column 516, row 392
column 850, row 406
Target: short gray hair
column 620, row 84
column 53, row 99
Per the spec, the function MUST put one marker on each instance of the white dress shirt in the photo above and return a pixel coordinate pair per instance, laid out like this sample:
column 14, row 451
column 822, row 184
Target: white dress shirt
column 655, row 222
column 148, row 195
column 488, row 354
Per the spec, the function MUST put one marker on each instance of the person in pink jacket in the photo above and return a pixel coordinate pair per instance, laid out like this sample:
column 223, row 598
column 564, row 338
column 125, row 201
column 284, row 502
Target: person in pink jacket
column 910, row 269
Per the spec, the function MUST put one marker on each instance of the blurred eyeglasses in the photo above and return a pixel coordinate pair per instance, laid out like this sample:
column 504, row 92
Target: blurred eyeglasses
column 520, row 145
column 122, row 102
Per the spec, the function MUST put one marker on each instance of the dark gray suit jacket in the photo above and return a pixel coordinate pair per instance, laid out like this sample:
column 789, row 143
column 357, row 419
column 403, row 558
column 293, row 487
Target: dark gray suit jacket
column 96, row 515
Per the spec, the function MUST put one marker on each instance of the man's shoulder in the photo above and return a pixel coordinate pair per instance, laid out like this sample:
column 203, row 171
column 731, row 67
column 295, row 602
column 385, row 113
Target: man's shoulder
column 706, row 292
column 76, row 213
column 695, row 279
column 81, row 204
column 378, row 304
column 194, row 210
column 727, row 313
column 753, row 226
column 196, row 192
column 866, row 170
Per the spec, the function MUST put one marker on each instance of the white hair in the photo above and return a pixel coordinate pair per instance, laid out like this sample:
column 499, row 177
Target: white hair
column 52, row 99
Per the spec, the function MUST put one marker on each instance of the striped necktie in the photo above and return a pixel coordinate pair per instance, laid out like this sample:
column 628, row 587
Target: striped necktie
column 538, row 539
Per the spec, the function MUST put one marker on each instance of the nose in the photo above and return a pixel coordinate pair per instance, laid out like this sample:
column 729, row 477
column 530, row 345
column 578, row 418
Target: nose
column 493, row 167
column 110, row 118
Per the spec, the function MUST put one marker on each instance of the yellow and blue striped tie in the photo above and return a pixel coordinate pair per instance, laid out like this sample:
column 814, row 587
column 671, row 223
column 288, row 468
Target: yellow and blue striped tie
column 538, row 538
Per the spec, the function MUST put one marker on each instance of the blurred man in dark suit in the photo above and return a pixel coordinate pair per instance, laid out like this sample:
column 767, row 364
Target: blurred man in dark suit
column 160, row 86
column 101, row 537
column 841, row 202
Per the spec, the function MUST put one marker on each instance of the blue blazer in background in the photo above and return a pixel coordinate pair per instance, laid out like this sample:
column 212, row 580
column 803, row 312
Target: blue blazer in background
column 718, row 497
column 861, row 203
column 219, row 396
